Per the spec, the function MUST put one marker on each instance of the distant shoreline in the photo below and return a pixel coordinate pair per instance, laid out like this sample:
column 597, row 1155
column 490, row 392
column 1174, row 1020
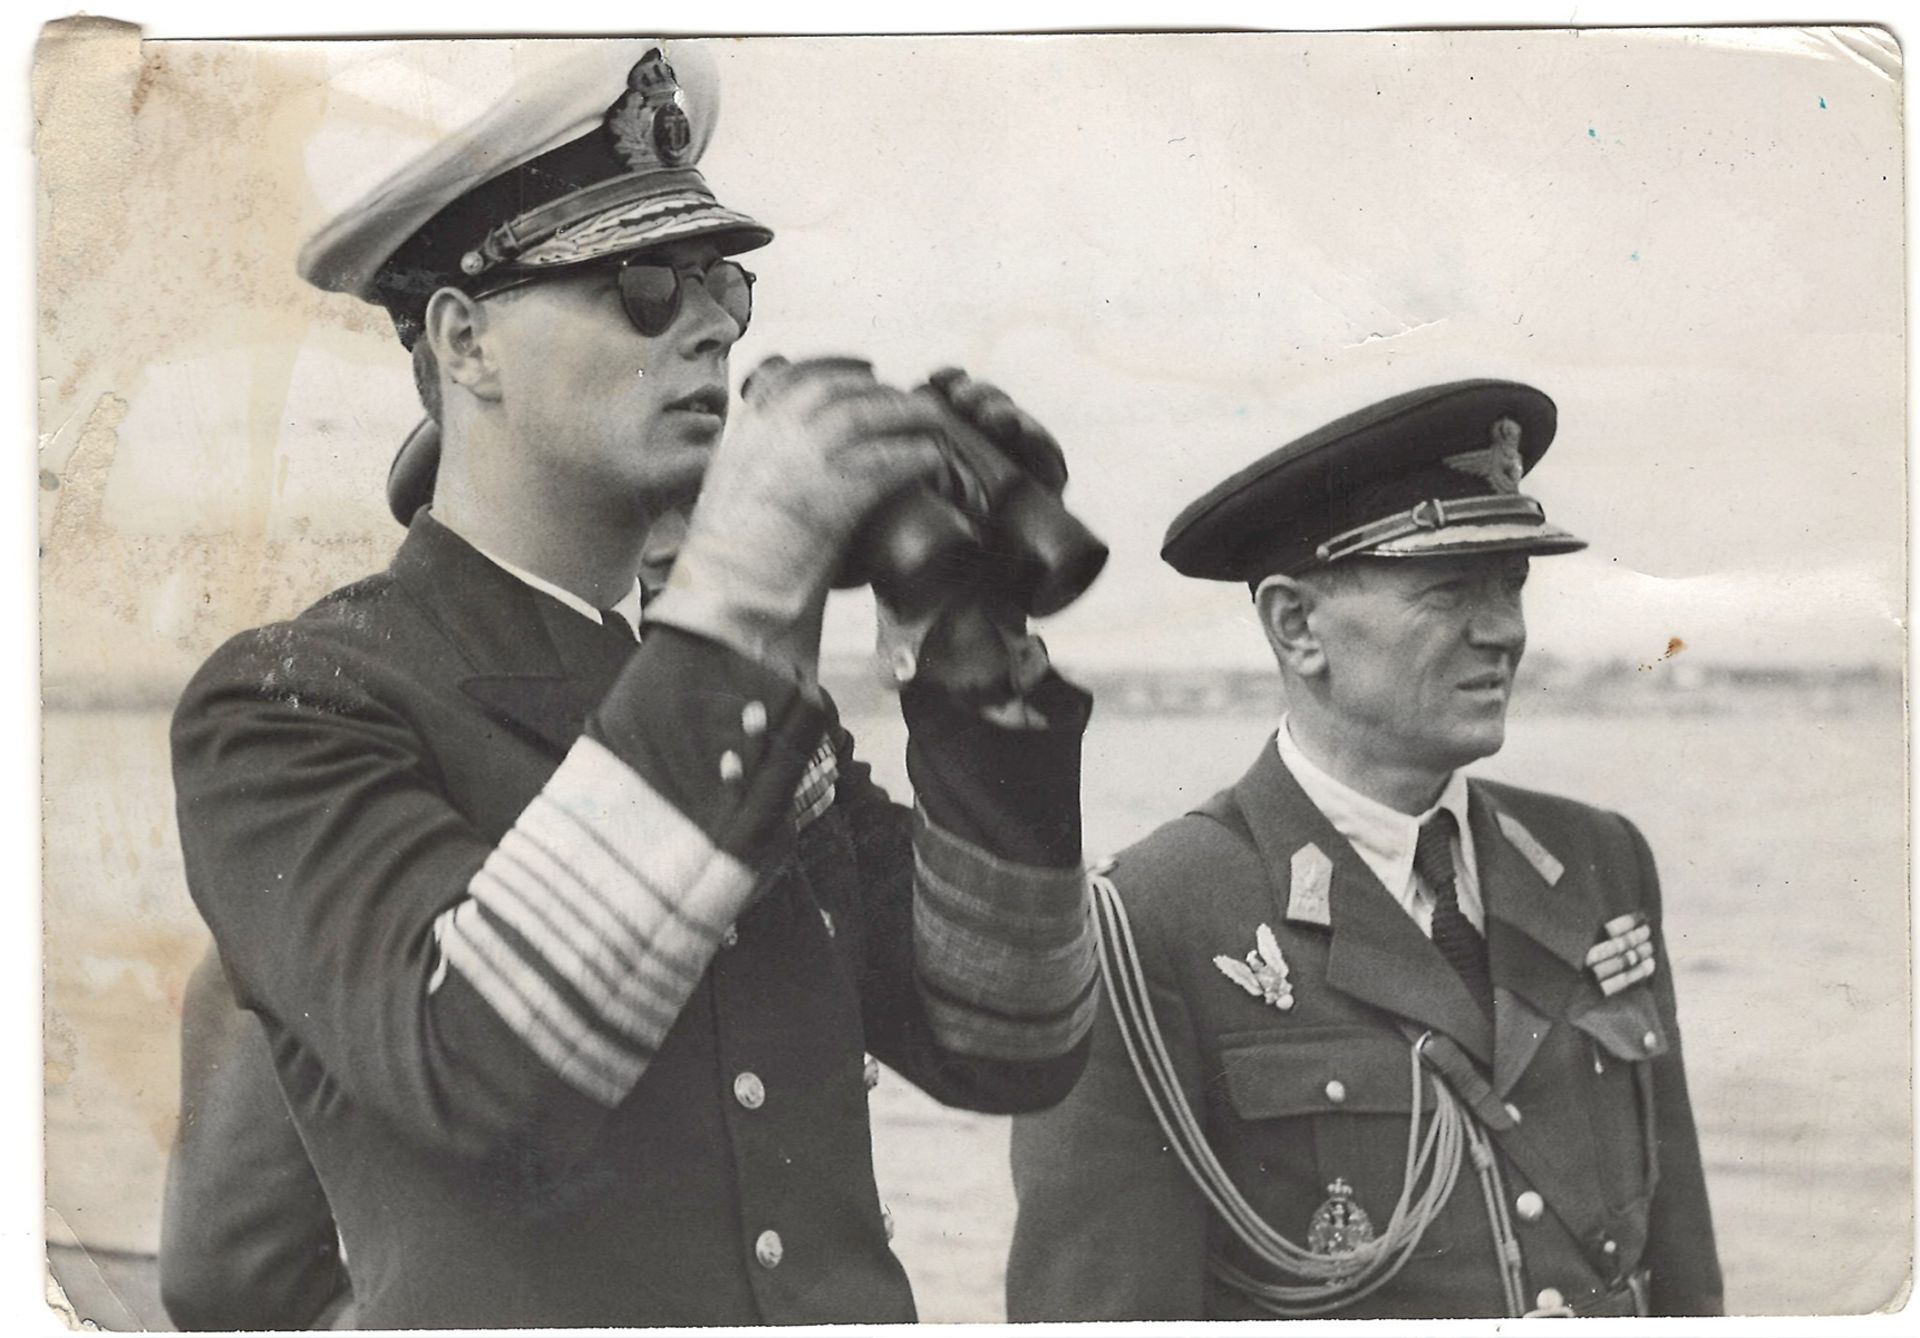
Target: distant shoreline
column 1546, row 686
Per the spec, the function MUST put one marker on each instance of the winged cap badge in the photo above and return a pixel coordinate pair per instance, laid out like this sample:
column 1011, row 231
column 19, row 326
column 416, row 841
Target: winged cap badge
column 1264, row 972
column 1499, row 463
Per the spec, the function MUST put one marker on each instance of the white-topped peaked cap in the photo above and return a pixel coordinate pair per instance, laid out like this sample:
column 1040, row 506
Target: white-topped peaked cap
column 587, row 158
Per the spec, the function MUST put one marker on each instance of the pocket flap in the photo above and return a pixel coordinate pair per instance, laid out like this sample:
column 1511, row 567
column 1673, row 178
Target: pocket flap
column 1316, row 1070
column 1627, row 1025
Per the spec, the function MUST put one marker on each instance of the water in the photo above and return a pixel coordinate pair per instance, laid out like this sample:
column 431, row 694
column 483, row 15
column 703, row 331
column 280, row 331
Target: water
column 1781, row 841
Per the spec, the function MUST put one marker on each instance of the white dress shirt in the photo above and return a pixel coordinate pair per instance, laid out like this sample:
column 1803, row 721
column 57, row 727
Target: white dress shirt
column 627, row 607
column 1384, row 837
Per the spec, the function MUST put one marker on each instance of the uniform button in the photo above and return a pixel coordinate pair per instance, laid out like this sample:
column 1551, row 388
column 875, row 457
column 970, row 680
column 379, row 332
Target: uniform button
column 731, row 767
column 1529, row 1205
column 1610, row 1247
column 753, row 719
column 886, row 1220
column 749, row 1091
column 1650, row 1040
column 1336, row 1091
column 1513, row 1112
column 870, row 1072
column 1599, row 1065
column 1549, row 1299
column 768, row 1249
column 730, row 936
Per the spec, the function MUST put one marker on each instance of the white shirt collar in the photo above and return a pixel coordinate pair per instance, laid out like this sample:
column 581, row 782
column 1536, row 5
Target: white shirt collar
column 1384, row 837
column 627, row 606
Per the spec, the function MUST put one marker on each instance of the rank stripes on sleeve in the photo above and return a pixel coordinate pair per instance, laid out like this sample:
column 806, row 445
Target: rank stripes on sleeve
column 814, row 794
column 1005, row 951
column 592, row 921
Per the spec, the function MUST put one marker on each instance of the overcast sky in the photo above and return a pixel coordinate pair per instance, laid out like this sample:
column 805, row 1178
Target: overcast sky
column 1180, row 252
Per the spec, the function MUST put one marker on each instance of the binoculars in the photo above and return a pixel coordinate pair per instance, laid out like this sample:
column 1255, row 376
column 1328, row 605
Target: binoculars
column 988, row 526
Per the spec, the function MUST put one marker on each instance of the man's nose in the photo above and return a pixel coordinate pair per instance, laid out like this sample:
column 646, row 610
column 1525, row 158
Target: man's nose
column 703, row 325
column 1499, row 622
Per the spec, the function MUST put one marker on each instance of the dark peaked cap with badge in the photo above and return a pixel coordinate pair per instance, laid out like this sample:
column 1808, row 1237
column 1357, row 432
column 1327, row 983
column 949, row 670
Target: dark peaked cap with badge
column 586, row 160
column 1433, row 472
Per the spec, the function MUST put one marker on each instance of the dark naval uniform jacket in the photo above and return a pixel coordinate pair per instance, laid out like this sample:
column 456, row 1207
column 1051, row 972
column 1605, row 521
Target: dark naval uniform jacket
column 1587, row 1099
column 570, row 955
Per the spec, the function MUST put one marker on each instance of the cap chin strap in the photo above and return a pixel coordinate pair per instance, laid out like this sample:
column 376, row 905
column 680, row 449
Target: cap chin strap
column 1328, row 1282
column 1432, row 514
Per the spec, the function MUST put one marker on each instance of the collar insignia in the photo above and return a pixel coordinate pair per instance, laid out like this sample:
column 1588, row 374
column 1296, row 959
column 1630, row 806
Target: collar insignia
column 1499, row 464
column 1264, row 972
column 1530, row 848
column 1311, row 879
column 648, row 126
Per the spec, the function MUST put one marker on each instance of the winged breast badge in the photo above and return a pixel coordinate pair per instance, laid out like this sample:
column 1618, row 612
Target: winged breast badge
column 1263, row 973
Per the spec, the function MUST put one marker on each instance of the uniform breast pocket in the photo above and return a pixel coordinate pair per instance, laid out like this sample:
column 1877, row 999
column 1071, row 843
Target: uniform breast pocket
column 1316, row 1106
column 1624, row 1034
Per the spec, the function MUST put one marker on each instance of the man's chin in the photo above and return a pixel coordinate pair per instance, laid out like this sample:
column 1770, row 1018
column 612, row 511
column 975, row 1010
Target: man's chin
column 673, row 472
column 1474, row 744
column 1464, row 743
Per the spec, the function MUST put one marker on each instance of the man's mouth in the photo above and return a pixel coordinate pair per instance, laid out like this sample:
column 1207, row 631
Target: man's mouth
column 711, row 400
column 1491, row 681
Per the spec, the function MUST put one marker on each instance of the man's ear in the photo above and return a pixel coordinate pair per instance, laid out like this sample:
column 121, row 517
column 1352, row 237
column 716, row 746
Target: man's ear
column 457, row 328
column 1284, row 604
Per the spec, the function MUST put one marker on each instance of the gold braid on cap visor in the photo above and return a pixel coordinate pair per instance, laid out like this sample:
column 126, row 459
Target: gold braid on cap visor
column 1432, row 514
column 509, row 241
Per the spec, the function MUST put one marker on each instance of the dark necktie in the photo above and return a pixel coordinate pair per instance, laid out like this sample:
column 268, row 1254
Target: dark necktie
column 617, row 632
column 1459, row 942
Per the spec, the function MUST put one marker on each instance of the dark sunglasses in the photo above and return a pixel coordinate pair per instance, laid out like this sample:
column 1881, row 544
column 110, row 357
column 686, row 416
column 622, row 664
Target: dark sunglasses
column 651, row 293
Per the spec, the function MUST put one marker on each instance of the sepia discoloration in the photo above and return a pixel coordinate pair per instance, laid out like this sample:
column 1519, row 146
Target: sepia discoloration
column 213, row 435
column 85, row 73
column 59, row 1051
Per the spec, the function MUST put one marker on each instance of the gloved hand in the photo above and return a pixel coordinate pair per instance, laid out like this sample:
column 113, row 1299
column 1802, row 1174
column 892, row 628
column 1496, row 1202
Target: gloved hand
column 994, row 414
column 816, row 446
column 974, row 644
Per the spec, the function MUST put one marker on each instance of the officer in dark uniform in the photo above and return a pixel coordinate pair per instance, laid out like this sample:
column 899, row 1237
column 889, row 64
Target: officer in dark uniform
column 1378, row 1040
column 569, row 914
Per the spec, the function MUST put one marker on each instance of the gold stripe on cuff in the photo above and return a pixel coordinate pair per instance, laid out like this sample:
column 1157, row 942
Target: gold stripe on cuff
column 534, row 1010
column 613, row 891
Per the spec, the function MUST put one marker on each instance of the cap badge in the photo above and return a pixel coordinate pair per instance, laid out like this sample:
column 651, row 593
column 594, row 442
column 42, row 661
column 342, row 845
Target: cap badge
column 1263, row 974
column 1499, row 464
column 649, row 128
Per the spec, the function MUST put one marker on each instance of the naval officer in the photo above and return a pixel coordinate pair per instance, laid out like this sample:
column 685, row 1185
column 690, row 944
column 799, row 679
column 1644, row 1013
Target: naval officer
column 568, row 911
column 1378, row 1039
